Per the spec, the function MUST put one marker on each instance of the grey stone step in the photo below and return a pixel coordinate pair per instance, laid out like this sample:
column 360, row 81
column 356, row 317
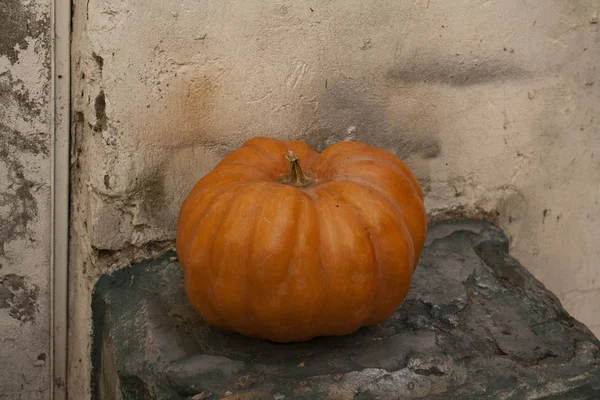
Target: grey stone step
column 475, row 325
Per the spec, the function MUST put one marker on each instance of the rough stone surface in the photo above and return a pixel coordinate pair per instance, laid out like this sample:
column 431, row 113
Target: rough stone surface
column 475, row 325
column 25, row 165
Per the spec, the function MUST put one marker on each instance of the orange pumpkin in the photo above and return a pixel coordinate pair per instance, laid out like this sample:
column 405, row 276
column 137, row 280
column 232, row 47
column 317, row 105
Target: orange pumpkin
column 283, row 243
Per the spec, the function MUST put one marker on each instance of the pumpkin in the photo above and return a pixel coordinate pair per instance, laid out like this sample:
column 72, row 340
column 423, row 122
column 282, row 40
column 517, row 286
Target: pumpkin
column 282, row 243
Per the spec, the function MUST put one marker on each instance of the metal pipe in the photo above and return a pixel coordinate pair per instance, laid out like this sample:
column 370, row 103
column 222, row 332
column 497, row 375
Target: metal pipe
column 61, row 48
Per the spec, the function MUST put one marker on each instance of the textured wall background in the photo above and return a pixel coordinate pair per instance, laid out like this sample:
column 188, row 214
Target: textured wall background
column 494, row 105
column 25, row 139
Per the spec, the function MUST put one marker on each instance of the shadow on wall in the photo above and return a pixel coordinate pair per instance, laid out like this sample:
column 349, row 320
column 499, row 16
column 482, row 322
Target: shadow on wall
column 396, row 117
column 401, row 114
column 398, row 111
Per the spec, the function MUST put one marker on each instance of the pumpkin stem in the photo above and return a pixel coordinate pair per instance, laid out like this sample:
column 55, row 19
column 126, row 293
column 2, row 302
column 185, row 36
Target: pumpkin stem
column 297, row 177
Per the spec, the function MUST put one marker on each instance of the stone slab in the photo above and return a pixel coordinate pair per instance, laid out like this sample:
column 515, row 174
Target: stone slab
column 475, row 325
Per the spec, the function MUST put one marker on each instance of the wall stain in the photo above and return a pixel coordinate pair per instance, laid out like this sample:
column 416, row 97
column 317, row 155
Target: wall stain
column 99, row 60
column 100, row 110
column 545, row 214
column 456, row 73
column 462, row 211
column 18, row 297
column 191, row 101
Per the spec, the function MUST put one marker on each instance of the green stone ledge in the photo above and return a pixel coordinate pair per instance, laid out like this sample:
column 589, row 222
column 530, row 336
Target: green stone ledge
column 475, row 325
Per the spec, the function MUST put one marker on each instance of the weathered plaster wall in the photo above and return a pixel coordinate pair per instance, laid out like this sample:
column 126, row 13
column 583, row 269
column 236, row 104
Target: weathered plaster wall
column 494, row 105
column 25, row 138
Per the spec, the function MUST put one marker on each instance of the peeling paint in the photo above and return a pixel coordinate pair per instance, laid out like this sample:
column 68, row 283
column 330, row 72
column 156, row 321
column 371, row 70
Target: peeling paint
column 17, row 23
column 25, row 139
column 15, row 91
column 100, row 111
column 18, row 297
column 18, row 206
